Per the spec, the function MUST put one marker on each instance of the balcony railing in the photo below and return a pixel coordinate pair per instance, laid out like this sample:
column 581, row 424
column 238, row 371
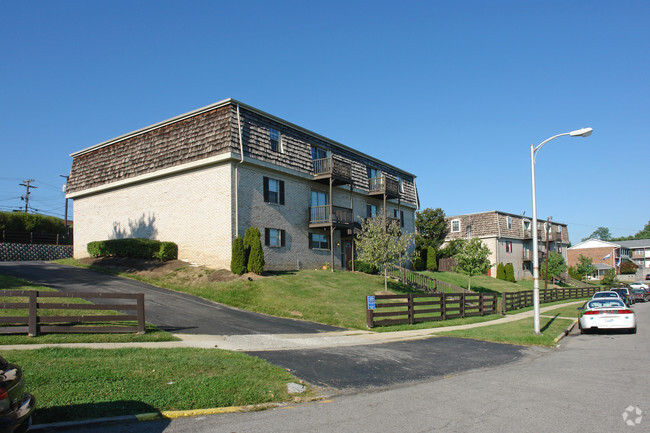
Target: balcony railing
column 528, row 233
column 320, row 215
column 528, row 256
column 330, row 167
column 383, row 185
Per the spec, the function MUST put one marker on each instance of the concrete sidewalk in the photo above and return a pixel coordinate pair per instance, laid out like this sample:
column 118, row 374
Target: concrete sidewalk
column 264, row 342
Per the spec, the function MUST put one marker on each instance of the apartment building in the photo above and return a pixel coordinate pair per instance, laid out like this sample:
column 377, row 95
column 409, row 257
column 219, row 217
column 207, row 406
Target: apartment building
column 606, row 255
column 202, row 178
column 510, row 238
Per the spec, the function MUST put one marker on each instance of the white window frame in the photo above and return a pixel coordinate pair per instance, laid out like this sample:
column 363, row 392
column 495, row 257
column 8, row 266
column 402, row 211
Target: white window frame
column 509, row 222
column 508, row 247
column 455, row 222
column 278, row 139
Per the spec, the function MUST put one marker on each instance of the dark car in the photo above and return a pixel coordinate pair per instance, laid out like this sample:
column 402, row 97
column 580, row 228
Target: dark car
column 647, row 276
column 624, row 292
column 637, row 295
column 16, row 406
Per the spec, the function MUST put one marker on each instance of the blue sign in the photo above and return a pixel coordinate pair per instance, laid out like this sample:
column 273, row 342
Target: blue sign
column 371, row 302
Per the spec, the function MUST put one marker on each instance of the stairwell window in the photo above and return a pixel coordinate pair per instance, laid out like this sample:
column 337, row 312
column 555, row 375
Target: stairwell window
column 274, row 237
column 455, row 226
column 273, row 191
column 371, row 211
column 399, row 215
column 508, row 246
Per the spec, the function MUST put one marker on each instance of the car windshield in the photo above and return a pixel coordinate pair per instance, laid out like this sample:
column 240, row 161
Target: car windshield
column 606, row 295
column 605, row 303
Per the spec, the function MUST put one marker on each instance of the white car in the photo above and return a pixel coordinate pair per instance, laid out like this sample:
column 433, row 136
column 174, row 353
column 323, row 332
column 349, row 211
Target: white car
column 639, row 285
column 606, row 313
column 606, row 294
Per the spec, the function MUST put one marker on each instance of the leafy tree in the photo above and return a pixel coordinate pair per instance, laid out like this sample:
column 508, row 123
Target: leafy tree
column 238, row 261
column 573, row 273
column 644, row 233
column 510, row 272
column 501, row 272
column 473, row 259
column 556, row 266
column 383, row 247
column 585, row 266
column 432, row 263
column 609, row 279
column 601, row 233
column 451, row 249
column 431, row 228
column 628, row 267
column 256, row 257
column 249, row 239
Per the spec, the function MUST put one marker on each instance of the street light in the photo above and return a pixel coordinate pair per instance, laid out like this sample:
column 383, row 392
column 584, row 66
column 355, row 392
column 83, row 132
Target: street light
column 584, row 132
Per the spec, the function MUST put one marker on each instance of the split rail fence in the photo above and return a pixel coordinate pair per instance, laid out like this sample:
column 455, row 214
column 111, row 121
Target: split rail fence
column 424, row 282
column 36, row 323
column 516, row 300
column 424, row 307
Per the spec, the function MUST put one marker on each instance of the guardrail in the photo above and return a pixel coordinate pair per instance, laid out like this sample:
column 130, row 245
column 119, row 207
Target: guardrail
column 425, row 307
column 40, row 324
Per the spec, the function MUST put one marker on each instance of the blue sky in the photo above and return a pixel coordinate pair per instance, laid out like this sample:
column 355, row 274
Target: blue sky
column 451, row 91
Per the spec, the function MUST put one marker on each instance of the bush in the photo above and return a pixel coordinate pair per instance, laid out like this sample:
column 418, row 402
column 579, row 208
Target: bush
column 134, row 248
column 418, row 263
column 250, row 235
column 573, row 273
column 238, row 261
column 510, row 272
column 256, row 258
column 432, row 263
column 30, row 222
column 501, row 272
column 364, row 267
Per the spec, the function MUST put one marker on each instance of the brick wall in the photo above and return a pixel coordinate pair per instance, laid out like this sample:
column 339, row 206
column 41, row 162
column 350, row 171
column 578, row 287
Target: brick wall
column 595, row 254
column 27, row 252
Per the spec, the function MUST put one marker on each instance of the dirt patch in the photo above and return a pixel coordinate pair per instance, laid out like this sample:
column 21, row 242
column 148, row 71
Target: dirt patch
column 170, row 269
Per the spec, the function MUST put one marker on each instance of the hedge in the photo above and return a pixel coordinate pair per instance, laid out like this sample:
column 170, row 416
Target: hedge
column 31, row 222
column 364, row 267
column 134, row 248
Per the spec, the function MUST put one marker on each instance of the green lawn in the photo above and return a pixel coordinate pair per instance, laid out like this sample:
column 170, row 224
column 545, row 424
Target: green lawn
column 480, row 283
column 72, row 384
column 11, row 283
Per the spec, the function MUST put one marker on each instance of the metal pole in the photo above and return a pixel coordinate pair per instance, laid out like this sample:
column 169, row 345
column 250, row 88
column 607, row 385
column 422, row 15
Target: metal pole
column 535, row 250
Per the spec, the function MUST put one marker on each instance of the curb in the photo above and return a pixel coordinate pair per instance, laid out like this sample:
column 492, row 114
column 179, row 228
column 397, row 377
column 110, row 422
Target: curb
column 566, row 332
column 168, row 414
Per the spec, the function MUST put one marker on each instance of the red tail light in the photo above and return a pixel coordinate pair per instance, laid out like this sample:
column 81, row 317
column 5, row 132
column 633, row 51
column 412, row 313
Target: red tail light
column 624, row 311
column 592, row 312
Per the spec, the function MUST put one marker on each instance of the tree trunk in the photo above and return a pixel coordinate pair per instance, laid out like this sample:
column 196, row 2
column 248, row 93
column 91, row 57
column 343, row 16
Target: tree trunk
column 385, row 277
column 469, row 282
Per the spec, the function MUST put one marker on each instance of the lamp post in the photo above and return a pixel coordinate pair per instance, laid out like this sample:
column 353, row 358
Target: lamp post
column 584, row 132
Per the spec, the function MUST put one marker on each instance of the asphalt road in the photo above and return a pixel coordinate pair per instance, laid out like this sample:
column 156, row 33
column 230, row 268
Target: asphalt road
column 588, row 384
column 171, row 311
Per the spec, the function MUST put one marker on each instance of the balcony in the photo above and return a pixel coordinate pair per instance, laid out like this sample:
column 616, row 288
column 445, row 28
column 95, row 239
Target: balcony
column 319, row 216
column 528, row 233
column 383, row 186
column 528, row 256
column 329, row 168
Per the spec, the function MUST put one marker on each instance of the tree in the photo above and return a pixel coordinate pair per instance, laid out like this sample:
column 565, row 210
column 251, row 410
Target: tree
column 601, row 233
column 473, row 259
column 383, row 247
column 501, row 272
column 628, row 267
column 238, row 261
column 432, row 263
column 453, row 247
column 256, row 257
column 431, row 228
column 644, row 233
column 556, row 266
column 249, row 239
column 585, row 266
column 510, row 272
column 609, row 279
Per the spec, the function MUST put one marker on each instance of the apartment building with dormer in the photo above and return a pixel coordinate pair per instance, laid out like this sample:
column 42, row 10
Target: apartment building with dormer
column 202, row 178
column 509, row 238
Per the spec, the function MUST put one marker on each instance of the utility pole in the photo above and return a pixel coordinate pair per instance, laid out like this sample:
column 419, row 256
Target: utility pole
column 27, row 187
column 65, row 190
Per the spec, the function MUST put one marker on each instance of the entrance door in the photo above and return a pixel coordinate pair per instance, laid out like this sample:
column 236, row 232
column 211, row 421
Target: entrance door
column 348, row 254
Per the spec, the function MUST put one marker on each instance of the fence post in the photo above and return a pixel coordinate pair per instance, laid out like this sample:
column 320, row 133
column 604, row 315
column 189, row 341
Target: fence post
column 369, row 317
column 140, row 306
column 443, row 305
column 411, row 308
column 462, row 305
column 480, row 304
column 503, row 304
column 33, row 317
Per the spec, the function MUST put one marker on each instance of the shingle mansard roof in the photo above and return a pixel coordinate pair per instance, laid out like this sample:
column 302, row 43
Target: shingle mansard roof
column 203, row 134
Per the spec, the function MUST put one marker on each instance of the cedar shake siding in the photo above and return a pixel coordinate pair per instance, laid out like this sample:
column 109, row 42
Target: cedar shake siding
column 185, row 180
column 509, row 243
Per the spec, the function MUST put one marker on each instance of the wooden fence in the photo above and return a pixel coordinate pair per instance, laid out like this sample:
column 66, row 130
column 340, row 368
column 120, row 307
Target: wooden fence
column 516, row 300
column 36, row 323
column 7, row 236
column 424, row 307
column 424, row 282
column 446, row 265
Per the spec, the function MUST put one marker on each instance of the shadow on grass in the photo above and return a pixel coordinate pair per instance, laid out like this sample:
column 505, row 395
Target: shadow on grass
column 88, row 411
column 548, row 324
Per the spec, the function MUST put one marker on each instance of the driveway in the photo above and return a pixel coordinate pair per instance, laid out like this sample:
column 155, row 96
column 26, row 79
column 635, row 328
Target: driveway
column 171, row 311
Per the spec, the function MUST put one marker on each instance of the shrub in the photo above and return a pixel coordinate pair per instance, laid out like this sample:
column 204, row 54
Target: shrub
column 238, row 261
column 256, row 257
column 134, row 248
column 501, row 272
column 29, row 222
column 573, row 273
column 364, row 267
column 432, row 263
column 418, row 263
column 510, row 272
column 423, row 257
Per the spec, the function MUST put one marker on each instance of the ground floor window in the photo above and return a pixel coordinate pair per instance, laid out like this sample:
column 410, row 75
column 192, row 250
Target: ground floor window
column 319, row 241
column 274, row 237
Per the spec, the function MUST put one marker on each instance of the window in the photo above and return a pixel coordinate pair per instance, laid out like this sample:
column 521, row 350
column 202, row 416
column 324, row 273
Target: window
column 274, row 237
column 276, row 140
column 559, row 229
column 273, row 191
column 371, row 210
column 509, row 221
column 401, row 184
column 319, row 198
column 399, row 214
column 373, row 172
column 319, row 242
column 508, row 246
column 318, row 153
column 455, row 225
